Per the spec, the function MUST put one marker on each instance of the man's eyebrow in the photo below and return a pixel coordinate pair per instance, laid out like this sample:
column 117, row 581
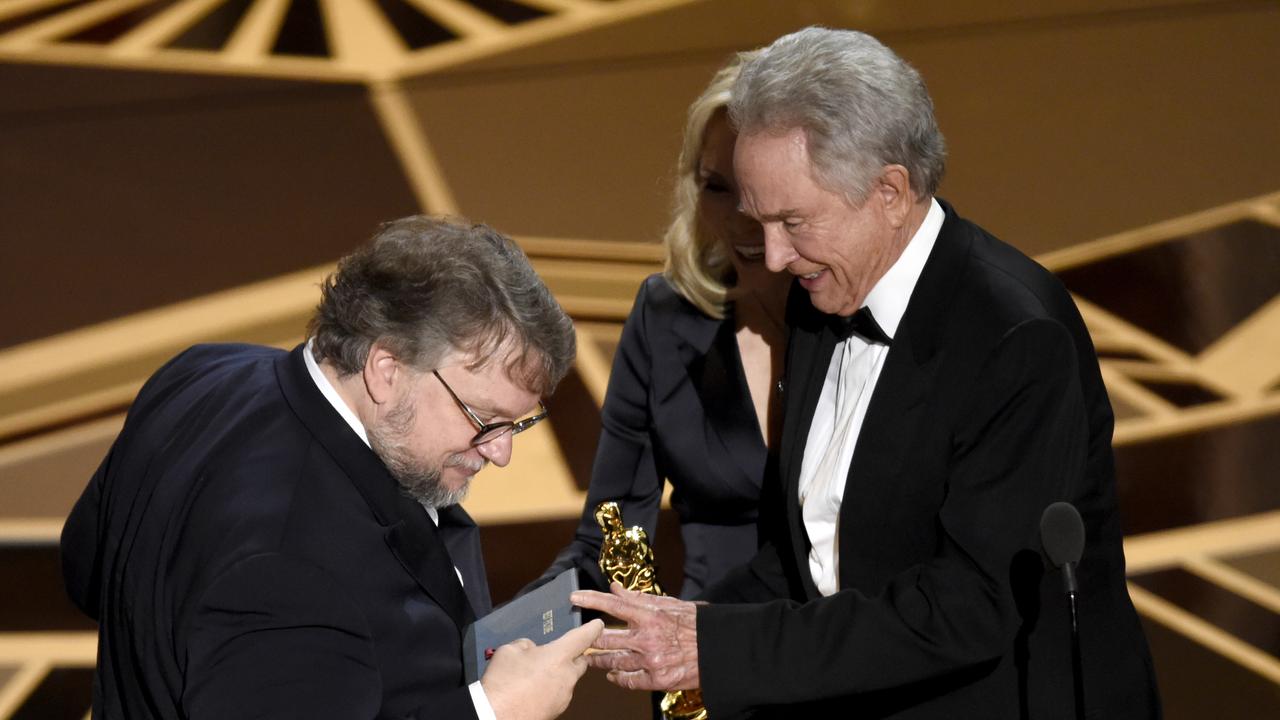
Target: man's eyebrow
column 493, row 412
column 488, row 410
column 775, row 216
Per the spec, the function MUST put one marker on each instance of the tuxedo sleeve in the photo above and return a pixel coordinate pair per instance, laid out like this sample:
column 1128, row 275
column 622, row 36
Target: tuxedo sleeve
column 1020, row 444
column 624, row 470
column 79, row 550
column 275, row 637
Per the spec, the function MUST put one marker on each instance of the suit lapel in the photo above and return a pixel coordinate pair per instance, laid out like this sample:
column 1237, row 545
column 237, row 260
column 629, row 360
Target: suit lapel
column 711, row 359
column 462, row 538
column 808, row 357
column 410, row 535
column 906, row 381
column 422, row 552
column 896, row 407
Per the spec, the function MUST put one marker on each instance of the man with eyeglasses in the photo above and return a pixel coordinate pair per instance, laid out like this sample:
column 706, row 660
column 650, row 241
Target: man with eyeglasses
column 277, row 534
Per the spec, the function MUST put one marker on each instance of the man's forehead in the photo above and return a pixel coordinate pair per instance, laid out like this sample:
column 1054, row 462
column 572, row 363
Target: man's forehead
column 772, row 160
column 790, row 143
column 501, row 380
column 770, row 167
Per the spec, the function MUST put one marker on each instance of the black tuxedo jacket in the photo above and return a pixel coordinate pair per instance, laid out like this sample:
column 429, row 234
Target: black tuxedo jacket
column 989, row 407
column 247, row 555
column 677, row 409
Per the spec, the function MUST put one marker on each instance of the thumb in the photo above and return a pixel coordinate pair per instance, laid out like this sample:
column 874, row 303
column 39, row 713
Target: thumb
column 576, row 641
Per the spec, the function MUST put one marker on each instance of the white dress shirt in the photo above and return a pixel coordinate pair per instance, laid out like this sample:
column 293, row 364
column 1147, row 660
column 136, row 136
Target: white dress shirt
column 483, row 709
column 846, row 392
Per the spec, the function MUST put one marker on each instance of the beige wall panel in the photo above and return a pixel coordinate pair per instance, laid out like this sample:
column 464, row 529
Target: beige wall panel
column 42, row 477
column 718, row 26
column 1062, row 128
column 584, row 154
column 1063, row 134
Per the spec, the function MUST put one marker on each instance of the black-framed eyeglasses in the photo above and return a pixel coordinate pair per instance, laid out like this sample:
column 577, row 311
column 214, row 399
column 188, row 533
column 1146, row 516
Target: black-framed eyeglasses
column 492, row 431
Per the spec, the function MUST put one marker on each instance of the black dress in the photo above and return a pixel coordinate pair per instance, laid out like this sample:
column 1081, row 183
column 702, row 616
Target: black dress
column 677, row 410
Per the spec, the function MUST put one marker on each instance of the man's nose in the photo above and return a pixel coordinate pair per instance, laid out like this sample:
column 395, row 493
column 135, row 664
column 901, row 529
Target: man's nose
column 497, row 450
column 778, row 251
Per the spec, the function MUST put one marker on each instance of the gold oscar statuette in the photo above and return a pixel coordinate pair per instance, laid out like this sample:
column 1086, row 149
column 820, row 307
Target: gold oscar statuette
column 626, row 558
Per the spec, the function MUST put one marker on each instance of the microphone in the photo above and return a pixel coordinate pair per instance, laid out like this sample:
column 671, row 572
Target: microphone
column 1062, row 535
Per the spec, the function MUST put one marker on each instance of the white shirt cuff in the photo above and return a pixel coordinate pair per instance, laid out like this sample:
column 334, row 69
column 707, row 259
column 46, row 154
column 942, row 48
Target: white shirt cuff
column 483, row 709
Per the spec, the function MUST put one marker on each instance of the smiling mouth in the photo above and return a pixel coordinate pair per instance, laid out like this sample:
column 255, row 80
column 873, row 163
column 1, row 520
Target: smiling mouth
column 811, row 276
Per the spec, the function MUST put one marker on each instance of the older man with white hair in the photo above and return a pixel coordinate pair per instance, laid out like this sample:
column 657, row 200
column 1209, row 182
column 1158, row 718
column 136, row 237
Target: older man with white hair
column 941, row 391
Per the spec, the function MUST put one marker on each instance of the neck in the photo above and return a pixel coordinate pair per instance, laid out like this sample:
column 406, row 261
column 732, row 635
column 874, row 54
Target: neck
column 910, row 226
column 915, row 218
column 902, row 235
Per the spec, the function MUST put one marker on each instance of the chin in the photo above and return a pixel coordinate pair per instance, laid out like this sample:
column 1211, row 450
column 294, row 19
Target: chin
column 459, row 494
column 824, row 304
column 831, row 302
column 450, row 491
column 433, row 487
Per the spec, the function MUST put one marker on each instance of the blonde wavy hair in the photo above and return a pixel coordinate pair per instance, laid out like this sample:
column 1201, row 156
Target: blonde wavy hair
column 696, row 265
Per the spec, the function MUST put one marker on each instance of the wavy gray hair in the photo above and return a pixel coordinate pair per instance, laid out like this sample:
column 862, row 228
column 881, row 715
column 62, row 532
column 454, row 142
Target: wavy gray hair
column 426, row 287
column 860, row 106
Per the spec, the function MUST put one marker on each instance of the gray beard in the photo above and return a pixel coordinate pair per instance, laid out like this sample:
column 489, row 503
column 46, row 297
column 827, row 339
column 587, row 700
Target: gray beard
column 419, row 479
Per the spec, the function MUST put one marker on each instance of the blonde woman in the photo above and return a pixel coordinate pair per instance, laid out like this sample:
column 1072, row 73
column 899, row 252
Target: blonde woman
column 693, row 398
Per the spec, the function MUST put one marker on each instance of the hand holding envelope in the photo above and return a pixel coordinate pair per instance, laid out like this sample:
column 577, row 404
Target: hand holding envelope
column 525, row 681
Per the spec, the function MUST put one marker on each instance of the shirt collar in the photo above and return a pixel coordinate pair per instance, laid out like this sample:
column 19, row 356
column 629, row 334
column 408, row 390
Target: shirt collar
column 331, row 394
column 888, row 299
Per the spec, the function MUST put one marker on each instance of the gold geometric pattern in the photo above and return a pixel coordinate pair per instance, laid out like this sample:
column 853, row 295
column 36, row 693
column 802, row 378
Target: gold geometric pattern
column 33, row 656
column 62, row 397
column 1236, row 377
column 327, row 40
column 1235, row 367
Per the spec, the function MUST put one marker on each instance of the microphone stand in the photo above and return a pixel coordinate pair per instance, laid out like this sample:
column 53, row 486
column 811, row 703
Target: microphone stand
column 1077, row 669
column 1062, row 537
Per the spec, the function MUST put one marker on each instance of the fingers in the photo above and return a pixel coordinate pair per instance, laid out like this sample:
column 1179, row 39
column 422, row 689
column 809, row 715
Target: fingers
column 643, row 679
column 576, row 641
column 626, row 605
column 615, row 660
column 636, row 680
column 593, row 600
column 615, row 639
column 517, row 644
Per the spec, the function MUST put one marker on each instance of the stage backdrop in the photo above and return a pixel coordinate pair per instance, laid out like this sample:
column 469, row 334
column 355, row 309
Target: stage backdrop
column 180, row 171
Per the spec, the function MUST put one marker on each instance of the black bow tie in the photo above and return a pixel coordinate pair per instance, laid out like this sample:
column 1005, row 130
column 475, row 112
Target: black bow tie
column 861, row 322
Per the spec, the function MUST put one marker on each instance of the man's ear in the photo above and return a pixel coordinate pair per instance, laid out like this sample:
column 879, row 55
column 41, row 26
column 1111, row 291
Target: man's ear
column 894, row 190
column 382, row 372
